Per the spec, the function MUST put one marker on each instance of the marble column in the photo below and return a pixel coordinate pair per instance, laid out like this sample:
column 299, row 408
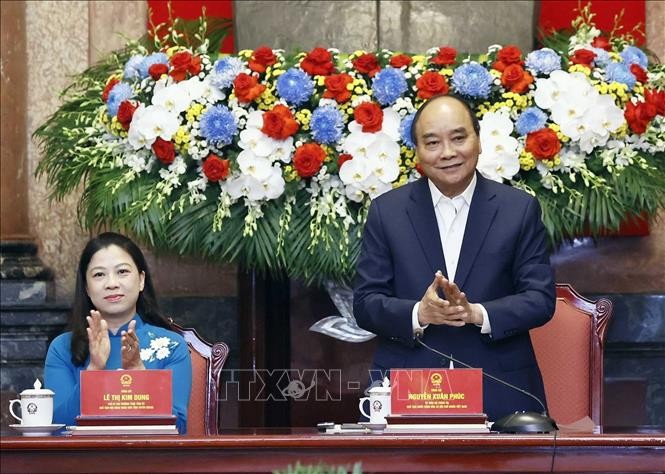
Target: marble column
column 23, row 277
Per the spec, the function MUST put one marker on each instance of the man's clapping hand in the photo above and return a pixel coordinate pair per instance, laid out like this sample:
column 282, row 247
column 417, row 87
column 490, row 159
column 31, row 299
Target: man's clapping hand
column 454, row 310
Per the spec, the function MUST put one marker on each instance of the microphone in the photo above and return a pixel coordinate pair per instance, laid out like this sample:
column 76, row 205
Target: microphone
column 518, row 422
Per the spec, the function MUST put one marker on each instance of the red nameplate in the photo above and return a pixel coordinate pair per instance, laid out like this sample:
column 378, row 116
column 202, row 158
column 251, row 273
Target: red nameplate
column 436, row 391
column 125, row 392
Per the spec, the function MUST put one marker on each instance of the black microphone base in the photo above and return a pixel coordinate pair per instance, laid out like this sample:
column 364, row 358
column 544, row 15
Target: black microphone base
column 525, row 422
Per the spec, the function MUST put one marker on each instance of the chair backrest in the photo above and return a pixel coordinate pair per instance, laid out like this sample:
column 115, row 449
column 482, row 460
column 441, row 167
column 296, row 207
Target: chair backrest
column 207, row 363
column 569, row 350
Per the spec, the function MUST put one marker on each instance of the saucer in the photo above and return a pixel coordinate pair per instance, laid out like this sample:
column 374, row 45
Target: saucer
column 44, row 430
column 373, row 426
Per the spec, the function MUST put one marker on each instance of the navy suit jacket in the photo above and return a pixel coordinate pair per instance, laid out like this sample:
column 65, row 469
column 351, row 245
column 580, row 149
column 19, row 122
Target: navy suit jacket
column 504, row 265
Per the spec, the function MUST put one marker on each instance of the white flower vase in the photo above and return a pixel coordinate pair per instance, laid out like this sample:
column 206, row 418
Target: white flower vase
column 344, row 327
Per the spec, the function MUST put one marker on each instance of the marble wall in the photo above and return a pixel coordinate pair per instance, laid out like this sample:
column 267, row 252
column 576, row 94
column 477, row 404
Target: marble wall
column 412, row 26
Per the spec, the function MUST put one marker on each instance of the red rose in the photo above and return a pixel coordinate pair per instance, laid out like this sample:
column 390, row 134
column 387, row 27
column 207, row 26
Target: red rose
column 215, row 168
column 639, row 73
column 510, row 54
column 107, row 90
column 367, row 64
column 400, row 60
column 195, row 66
column 583, row 57
column 506, row 56
column 336, row 87
column 515, row 78
column 370, row 116
column 318, row 62
column 657, row 98
column 543, row 143
column 343, row 158
column 308, row 159
column 278, row 123
column 420, row 169
column 247, row 88
column 181, row 60
column 184, row 63
column 164, row 151
column 261, row 59
column 430, row 84
column 602, row 42
column 445, row 56
column 639, row 115
column 157, row 70
column 125, row 113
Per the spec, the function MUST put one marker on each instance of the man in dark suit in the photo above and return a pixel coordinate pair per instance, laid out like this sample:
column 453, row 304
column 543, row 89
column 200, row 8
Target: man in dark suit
column 461, row 260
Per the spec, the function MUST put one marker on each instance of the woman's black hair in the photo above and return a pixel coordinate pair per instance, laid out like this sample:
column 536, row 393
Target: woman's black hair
column 146, row 305
column 472, row 116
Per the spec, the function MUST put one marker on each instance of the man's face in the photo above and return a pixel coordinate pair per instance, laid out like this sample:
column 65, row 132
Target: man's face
column 448, row 147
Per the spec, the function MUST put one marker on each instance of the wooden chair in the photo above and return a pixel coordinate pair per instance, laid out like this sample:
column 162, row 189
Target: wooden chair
column 569, row 350
column 207, row 363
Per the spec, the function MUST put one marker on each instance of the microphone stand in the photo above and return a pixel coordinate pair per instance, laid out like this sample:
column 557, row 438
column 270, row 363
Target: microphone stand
column 518, row 422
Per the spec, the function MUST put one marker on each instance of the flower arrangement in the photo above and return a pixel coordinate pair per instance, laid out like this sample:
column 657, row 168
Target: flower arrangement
column 271, row 160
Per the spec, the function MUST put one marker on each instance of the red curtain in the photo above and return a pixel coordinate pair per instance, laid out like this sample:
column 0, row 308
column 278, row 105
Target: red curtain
column 191, row 9
column 558, row 14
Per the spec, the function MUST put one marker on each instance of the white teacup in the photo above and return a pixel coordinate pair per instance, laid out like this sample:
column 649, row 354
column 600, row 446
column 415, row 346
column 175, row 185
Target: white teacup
column 36, row 406
column 379, row 405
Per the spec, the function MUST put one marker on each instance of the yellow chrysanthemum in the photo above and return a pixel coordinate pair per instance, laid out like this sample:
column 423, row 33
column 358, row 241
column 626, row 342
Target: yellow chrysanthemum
column 527, row 161
column 303, row 117
column 194, row 112
column 579, row 68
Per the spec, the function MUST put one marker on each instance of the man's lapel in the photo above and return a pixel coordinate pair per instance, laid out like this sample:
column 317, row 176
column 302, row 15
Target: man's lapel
column 421, row 214
column 481, row 214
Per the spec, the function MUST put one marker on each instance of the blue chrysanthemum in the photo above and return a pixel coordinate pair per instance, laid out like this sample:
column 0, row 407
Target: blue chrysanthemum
column 405, row 130
column 619, row 72
column 602, row 58
column 634, row 55
column 530, row 120
column 225, row 71
column 472, row 80
column 543, row 61
column 327, row 124
column 132, row 68
column 389, row 85
column 219, row 125
column 121, row 91
column 295, row 86
column 154, row 58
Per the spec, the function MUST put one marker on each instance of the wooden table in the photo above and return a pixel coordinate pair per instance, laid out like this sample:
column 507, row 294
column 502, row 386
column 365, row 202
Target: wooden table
column 263, row 450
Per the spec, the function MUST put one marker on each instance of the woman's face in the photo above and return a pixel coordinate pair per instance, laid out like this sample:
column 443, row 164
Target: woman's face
column 113, row 283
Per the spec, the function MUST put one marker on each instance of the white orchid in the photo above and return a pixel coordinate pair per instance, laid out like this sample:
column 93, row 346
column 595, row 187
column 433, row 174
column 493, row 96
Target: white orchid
column 149, row 123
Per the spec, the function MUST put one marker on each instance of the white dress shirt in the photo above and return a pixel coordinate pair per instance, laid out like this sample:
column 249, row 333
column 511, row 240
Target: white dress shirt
column 451, row 216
